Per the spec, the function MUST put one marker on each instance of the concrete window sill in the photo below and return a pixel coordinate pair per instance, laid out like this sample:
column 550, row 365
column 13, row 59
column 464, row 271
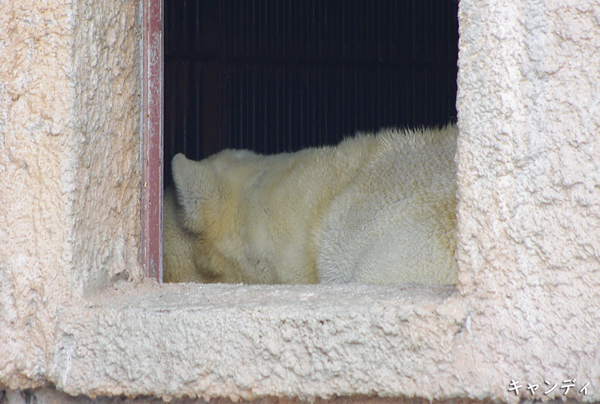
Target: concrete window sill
column 246, row 342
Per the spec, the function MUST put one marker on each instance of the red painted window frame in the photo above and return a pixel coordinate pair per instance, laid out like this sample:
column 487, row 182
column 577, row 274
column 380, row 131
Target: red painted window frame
column 152, row 138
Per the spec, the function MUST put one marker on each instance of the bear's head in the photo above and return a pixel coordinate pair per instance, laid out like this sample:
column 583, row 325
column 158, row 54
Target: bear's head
column 196, row 222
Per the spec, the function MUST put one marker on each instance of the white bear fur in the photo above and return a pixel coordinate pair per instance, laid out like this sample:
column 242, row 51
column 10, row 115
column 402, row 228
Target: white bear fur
column 373, row 209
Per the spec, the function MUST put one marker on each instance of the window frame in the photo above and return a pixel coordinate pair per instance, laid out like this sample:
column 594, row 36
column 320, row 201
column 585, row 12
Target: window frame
column 152, row 138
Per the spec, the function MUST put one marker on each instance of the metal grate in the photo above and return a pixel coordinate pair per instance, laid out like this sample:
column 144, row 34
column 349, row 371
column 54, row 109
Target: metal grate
column 275, row 76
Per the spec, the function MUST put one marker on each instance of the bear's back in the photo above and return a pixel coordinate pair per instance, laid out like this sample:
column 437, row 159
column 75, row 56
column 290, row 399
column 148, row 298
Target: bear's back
column 395, row 222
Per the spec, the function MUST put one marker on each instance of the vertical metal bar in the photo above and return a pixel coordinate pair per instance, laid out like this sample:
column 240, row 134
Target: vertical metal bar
column 266, row 133
column 314, row 99
column 288, row 88
column 184, row 94
column 276, row 87
column 344, row 111
column 254, row 112
column 199, row 108
column 239, row 109
column 355, row 111
column 324, row 97
column 152, row 138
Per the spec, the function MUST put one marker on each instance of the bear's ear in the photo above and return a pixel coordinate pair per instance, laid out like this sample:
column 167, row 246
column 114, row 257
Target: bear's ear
column 196, row 183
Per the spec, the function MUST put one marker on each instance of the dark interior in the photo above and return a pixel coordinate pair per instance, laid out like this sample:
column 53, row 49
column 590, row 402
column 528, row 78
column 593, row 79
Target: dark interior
column 279, row 76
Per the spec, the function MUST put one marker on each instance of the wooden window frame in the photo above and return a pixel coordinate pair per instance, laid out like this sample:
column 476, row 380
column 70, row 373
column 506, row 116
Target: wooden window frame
column 152, row 137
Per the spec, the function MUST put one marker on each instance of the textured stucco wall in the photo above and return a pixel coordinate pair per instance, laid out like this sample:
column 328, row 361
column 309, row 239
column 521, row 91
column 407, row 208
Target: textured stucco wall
column 245, row 342
column 106, row 145
column 69, row 166
column 529, row 189
column 525, row 308
column 35, row 93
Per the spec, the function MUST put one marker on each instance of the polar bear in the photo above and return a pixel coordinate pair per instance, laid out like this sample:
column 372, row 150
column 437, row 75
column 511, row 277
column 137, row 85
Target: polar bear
column 376, row 208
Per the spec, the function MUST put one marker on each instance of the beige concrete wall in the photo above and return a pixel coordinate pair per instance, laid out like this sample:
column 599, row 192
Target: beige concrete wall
column 529, row 189
column 35, row 94
column 105, row 198
column 525, row 308
column 69, row 166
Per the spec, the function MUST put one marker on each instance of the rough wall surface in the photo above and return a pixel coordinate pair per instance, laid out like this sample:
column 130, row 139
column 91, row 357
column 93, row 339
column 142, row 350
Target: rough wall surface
column 69, row 166
column 245, row 342
column 529, row 190
column 106, row 114
column 35, row 121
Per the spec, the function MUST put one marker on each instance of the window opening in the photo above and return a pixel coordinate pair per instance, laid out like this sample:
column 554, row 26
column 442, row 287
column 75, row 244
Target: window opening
column 277, row 77
column 281, row 76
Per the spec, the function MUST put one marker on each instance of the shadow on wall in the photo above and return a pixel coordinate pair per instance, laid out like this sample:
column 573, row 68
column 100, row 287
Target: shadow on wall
column 49, row 395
